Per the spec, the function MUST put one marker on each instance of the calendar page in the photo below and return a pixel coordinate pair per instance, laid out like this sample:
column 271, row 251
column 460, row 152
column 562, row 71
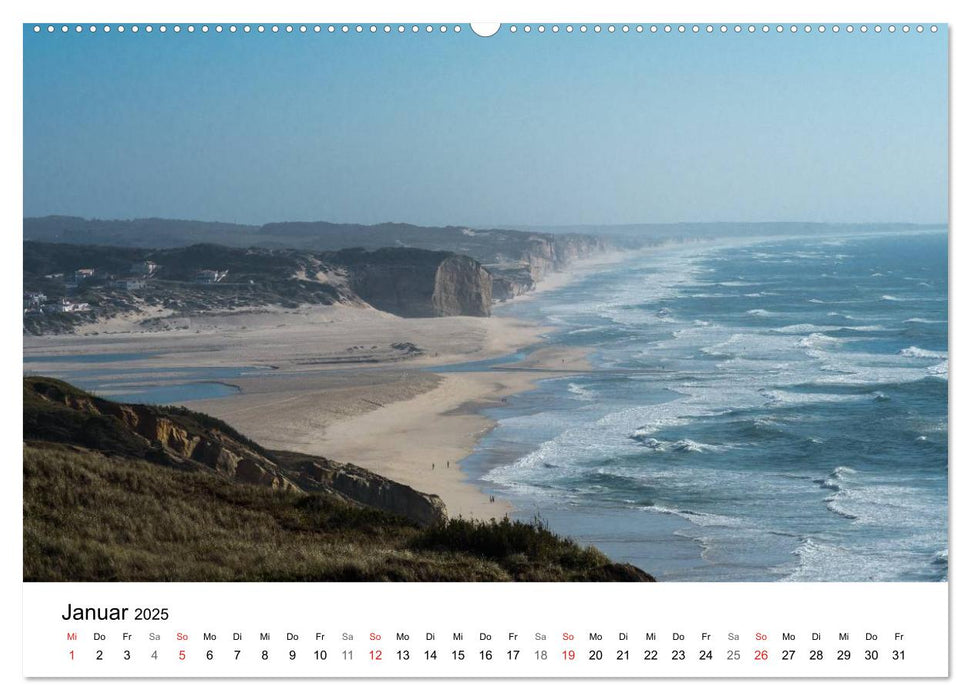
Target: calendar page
column 437, row 349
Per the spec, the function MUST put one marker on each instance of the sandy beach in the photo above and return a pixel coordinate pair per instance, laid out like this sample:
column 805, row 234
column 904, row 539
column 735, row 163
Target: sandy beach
column 343, row 382
column 397, row 424
column 306, row 338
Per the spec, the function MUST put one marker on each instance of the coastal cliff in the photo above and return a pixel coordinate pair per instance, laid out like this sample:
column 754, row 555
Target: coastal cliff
column 365, row 487
column 414, row 282
column 541, row 255
column 462, row 288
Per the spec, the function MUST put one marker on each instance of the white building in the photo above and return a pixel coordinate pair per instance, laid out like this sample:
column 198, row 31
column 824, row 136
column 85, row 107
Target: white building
column 66, row 306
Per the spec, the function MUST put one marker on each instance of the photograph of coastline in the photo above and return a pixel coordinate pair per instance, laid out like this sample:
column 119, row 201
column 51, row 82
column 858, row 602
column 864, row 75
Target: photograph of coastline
column 430, row 306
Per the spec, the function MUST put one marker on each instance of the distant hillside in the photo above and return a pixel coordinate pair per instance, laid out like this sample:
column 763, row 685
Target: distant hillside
column 516, row 259
column 123, row 492
column 136, row 233
column 543, row 252
column 102, row 281
column 485, row 245
column 637, row 235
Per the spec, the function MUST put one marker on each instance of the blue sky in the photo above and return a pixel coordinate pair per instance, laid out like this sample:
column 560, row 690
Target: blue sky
column 513, row 129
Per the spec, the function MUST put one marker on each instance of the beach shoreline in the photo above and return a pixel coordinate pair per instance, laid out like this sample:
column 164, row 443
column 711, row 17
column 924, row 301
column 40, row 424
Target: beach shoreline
column 420, row 441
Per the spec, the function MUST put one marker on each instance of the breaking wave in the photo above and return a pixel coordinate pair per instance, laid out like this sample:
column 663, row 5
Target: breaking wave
column 914, row 351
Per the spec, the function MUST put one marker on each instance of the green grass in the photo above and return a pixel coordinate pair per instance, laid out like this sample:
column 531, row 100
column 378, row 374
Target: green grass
column 89, row 516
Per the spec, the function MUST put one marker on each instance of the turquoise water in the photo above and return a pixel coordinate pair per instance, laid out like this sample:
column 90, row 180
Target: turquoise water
column 99, row 358
column 169, row 394
column 773, row 410
column 156, row 385
column 481, row 365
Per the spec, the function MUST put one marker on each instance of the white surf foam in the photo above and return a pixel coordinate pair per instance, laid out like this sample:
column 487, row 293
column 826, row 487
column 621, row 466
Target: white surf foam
column 581, row 392
column 914, row 351
column 697, row 518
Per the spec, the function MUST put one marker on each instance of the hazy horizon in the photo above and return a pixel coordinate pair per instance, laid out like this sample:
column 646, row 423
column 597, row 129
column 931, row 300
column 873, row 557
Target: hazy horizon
column 565, row 130
column 508, row 226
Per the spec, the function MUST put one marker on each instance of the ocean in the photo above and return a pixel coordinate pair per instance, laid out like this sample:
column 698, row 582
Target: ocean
column 757, row 410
